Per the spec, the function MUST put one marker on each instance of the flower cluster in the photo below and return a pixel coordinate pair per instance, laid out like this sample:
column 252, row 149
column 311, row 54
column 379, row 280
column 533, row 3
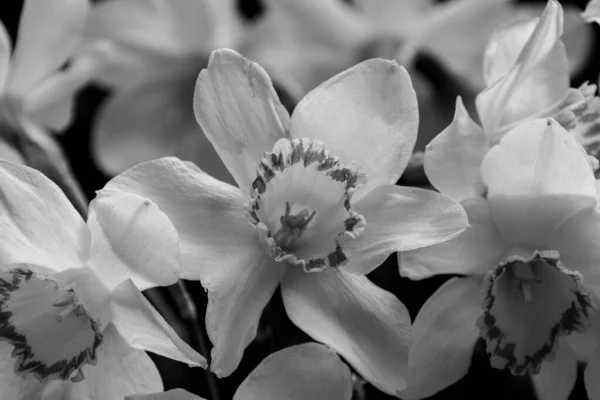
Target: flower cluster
column 264, row 158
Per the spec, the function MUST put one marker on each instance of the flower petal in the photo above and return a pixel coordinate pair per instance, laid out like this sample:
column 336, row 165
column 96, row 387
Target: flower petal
column 366, row 114
column 151, row 120
column 537, row 177
column 174, row 394
column 121, row 371
column 240, row 113
column 145, row 329
column 132, row 239
column 557, row 378
column 474, row 252
column 14, row 386
column 401, row 219
column 237, row 295
column 305, row 371
column 442, row 338
column 38, row 224
column 207, row 214
column 592, row 12
column 5, row 52
column 590, row 377
column 49, row 30
column 453, row 158
column 363, row 323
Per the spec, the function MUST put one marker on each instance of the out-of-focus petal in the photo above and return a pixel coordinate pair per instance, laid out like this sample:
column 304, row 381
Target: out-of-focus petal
column 367, row 115
column 49, row 30
column 304, row 371
column 535, row 84
column 592, row 12
column 145, row 329
column 38, row 225
column 537, row 177
column 557, row 377
column 442, row 338
column 174, row 394
column 240, row 113
column 56, row 116
column 5, row 53
column 132, row 239
column 401, row 219
column 366, row 325
column 120, row 371
column 9, row 153
column 237, row 294
column 474, row 252
column 590, row 377
column 207, row 214
column 453, row 158
column 394, row 16
column 151, row 120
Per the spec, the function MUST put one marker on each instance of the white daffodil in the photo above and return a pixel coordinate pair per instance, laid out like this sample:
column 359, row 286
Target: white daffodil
column 73, row 322
column 531, row 263
column 34, row 89
column 160, row 46
column 316, row 209
column 308, row 371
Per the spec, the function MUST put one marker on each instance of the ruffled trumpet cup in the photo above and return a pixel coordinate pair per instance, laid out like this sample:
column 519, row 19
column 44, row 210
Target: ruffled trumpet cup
column 315, row 209
column 531, row 250
column 72, row 319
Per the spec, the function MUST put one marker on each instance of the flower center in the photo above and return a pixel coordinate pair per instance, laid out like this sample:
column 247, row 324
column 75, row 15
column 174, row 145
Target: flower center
column 301, row 204
column 528, row 305
column 49, row 324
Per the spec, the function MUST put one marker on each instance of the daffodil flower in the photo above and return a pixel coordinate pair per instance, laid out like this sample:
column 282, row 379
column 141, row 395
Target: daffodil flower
column 316, row 209
column 527, row 69
column 530, row 264
column 160, row 45
column 308, row 371
column 73, row 322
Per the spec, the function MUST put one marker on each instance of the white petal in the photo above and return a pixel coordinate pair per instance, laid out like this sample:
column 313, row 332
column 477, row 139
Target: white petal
column 557, row 378
column 401, row 219
column 13, row 386
column 237, row 294
column 592, row 12
column 367, row 115
column 154, row 119
column 453, row 158
column 49, row 30
column 363, row 323
column 590, row 377
column 305, row 371
column 474, row 252
column 132, row 239
column 537, row 177
column 392, row 16
column 145, row 329
column 240, row 113
column 207, row 214
column 442, row 338
column 174, row 394
column 120, row 371
column 5, row 52
column 38, row 224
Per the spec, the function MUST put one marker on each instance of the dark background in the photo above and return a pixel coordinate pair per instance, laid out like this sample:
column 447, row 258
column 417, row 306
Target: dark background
column 276, row 330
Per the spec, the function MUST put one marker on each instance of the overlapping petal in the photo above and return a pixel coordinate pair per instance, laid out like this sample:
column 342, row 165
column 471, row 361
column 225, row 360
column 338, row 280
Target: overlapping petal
column 442, row 338
column 367, row 115
column 49, row 30
column 5, row 53
column 366, row 325
column 144, row 328
column 237, row 294
column 207, row 214
column 537, row 177
column 401, row 219
column 305, row 371
column 174, row 394
column 557, row 378
column 132, row 239
column 474, row 252
column 38, row 225
column 592, row 12
column 239, row 112
column 453, row 158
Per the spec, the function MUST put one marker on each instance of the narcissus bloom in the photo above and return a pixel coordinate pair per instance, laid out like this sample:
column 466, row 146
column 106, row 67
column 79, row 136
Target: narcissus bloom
column 316, row 209
column 160, row 46
column 308, row 371
column 73, row 322
column 531, row 263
